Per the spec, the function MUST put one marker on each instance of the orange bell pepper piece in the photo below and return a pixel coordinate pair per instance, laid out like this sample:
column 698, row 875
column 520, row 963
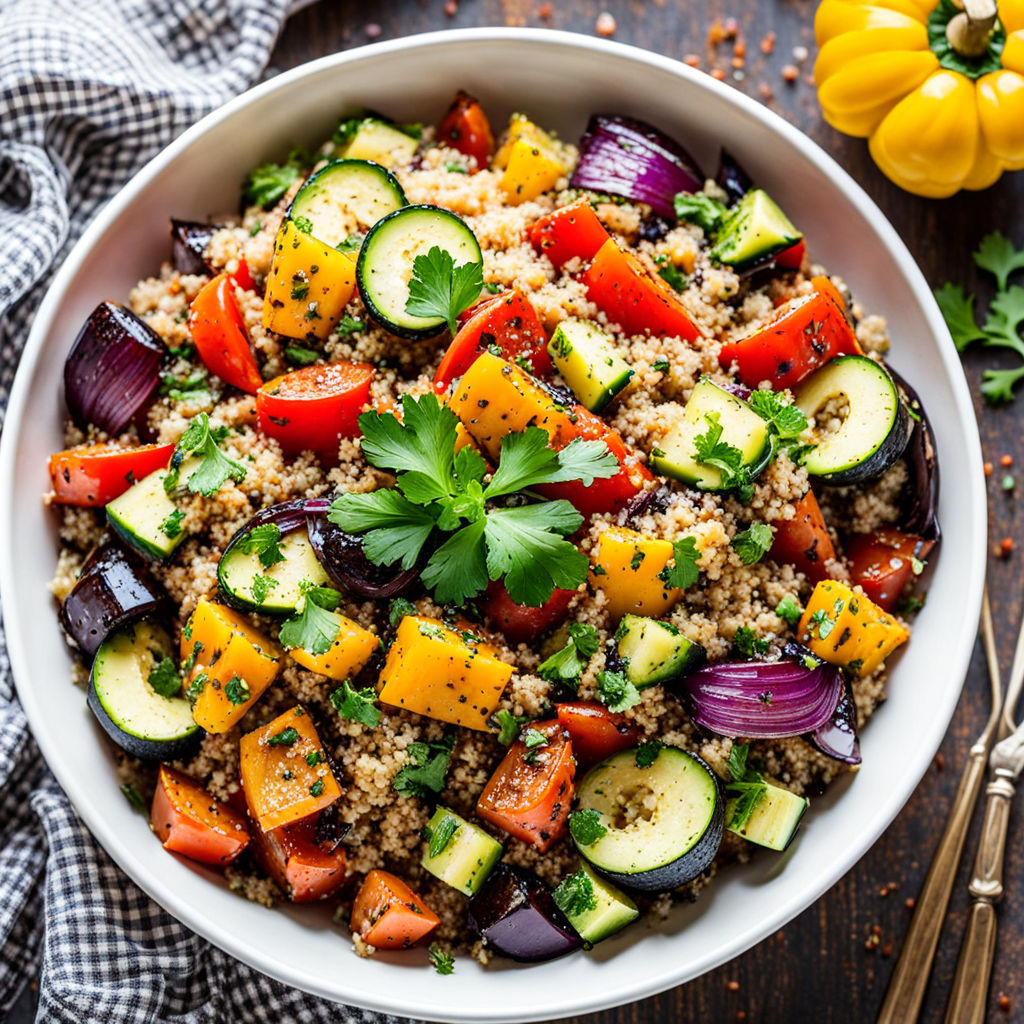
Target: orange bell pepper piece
column 301, row 867
column 387, row 914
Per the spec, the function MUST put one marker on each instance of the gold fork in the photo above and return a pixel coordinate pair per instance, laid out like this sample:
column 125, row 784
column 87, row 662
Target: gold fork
column 910, row 978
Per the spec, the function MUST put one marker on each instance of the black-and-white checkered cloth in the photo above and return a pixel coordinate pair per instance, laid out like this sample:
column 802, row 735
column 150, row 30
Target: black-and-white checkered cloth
column 89, row 91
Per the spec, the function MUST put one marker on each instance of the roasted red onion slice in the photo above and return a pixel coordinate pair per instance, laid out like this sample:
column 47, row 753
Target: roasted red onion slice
column 761, row 699
column 625, row 157
column 189, row 239
column 114, row 588
column 838, row 736
column 113, row 368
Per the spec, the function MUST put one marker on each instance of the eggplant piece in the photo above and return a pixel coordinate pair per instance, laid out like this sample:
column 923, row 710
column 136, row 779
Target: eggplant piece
column 837, row 738
column 115, row 587
column 112, row 370
column 516, row 915
column 342, row 556
column 653, row 500
column 189, row 239
column 731, row 177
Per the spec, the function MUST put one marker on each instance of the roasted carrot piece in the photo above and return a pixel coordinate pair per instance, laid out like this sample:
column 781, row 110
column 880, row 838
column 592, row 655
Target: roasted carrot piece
column 387, row 914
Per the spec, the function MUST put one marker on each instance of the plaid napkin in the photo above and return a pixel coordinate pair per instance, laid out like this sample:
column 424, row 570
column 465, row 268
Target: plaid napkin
column 89, row 91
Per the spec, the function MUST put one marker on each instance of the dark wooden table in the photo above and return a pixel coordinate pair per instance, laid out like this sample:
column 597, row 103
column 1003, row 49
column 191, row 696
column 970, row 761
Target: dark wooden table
column 832, row 964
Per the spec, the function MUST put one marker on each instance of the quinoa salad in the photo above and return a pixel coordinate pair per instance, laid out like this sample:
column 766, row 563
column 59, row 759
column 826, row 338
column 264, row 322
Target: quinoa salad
column 487, row 537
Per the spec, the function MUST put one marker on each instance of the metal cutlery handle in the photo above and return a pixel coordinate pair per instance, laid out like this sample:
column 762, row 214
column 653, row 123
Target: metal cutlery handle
column 974, row 968
column 910, row 978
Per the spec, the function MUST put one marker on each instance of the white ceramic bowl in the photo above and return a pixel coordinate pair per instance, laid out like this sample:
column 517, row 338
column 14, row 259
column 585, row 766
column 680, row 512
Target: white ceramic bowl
column 561, row 79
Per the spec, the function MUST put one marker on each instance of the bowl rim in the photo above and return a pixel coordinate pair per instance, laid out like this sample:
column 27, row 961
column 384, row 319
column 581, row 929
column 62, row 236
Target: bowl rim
column 194, row 917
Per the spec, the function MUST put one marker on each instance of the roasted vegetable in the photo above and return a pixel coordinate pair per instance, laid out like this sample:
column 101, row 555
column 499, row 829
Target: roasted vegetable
column 387, row 914
column 91, row 475
column 628, row 569
column 302, row 867
column 221, row 339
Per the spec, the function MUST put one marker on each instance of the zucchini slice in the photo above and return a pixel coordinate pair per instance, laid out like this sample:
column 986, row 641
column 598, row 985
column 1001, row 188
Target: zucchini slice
column 466, row 858
column 136, row 717
column 676, row 453
column 389, row 252
column 611, row 912
column 381, row 141
column 876, row 428
column 147, row 517
column 664, row 822
column 774, row 819
column 651, row 651
column 754, row 230
column 587, row 360
column 345, row 198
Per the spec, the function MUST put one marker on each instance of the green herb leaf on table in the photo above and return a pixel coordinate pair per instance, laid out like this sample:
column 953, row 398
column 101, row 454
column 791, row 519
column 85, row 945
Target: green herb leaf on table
column 683, row 572
column 314, row 629
column 567, row 665
column 164, row 678
column 753, row 543
column 575, row 895
column 616, row 692
column 215, row 468
column 746, row 785
column 441, row 289
column 423, row 775
column 357, row 705
column 586, row 827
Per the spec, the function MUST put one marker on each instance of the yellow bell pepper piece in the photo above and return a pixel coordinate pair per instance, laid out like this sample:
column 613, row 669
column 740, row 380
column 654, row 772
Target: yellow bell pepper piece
column 438, row 672
column 520, row 128
column 847, row 629
column 352, row 648
column 230, row 664
column 308, row 287
column 626, row 568
column 1001, row 112
column 531, row 170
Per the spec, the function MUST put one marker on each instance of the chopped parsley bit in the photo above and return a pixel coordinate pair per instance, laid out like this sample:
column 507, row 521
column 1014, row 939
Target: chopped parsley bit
column 349, row 325
column 670, row 273
column 747, row 642
column 164, row 678
column 711, row 450
column 314, row 629
column 300, row 285
column 237, row 690
column 700, row 209
column 357, row 705
column 171, row 526
column 313, row 758
column 492, row 287
column 317, row 789
column 453, row 168
column 443, row 961
column 263, row 541
column 616, row 692
column 299, row 356
column 441, row 289
column 567, row 665
column 910, row 604
column 189, row 663
column 637, row 560
column 181, row 389
column 824, row 624
column 753, row 543
column 747, row 785
column 214, row 467
column 350, row 243
column 441, row 836
column 684, row 573
column 312, row 311
column 508, row 725
column 647, row 753
column 424, row 773
column 586, row 827
column 134, row 797
column 661, row 365
column 400, row 608
column 261, row 586
column 303, row 224
column 285, row 738
column 784, row 419
column 533, row 739
column 256, row 229
column 195, row 688
column 268, row 182
column 789, row 610
column 575, row 894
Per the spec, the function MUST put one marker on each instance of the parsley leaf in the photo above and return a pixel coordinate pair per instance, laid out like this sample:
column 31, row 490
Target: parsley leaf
column 647, row 753
column 997, row 255
column 574, row 895
column 747, row 786
column 441, row 835
column 349, row 325
column 567, row 665
column 958, row 312
column 164, row 678
column 299, row 356
column 586, row 827
column 181, row 389
column 171, row 526
column 214, row 468
column 266, row 183
column 700, row 209
column 752, row 544
column 314, row 629
column 684, row 572
column 616, row 692
column 508, row 725
column 264, row 541
column 443, row 961
column 526, row 460
column 747, row 642
column 261, row 586
column 357, row 705
column 441, row 290
column 820, row 620
column 284, row 738
column 670, row 273
column 423, row 775
column 789, row 610
column 711, row 450
column 400, row 608
column 784, row 419
column 237, row 690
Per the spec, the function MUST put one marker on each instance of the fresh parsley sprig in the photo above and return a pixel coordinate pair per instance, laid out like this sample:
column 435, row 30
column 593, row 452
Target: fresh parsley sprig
column 567, row 665
column 423, row 775
column 439, row 288
column 439, row 491
column 264, row 541
column 314, row 629
column 268, row 182
column 357, row 705
column 215, row 468
column 575, row 895
column 683, row 572
column 711, row 450
column 746, row 785
column 616, row 692
column 753, row 543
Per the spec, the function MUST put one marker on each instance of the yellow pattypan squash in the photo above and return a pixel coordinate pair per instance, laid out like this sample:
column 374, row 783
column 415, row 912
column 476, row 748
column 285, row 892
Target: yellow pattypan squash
column 938, row 91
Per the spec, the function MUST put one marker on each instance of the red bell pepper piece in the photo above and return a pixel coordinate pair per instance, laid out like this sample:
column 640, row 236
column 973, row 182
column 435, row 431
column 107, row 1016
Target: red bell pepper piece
column 804, row 334
column 508, row 321
column 629, row 295
column 793, row 257
column 219, row 333
column 387, row 914
column 299, row 865
column 595, row 731
column 465, row 127
column 804, row 540
column 520, row 622
column 94, row 474
column 570, row 231
column 187, row 820
column 243, row 277
column 530, row 793
column 883, row 563
column 312, row 408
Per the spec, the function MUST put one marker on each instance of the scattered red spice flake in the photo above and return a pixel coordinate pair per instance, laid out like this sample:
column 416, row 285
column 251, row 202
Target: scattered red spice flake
column 765, row 90
column 740, row 49
column 545, row 11
column 372, row 30
column 741, row 1014
column 451, row 8
column 768, row 42
column 988, row 469
column 1006, row 547
column 692, row 59
column 718, row 74
column 1004, row 1002
column 790, row 73
column 605, row 24
column 733, row 986
column 1006, row 460
column 738, row 62
column 886, row 950
column 716, row 33
column 940, row 762
column 910, row 903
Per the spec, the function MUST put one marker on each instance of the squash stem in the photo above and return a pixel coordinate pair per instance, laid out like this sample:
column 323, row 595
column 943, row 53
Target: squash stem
column 969, row 31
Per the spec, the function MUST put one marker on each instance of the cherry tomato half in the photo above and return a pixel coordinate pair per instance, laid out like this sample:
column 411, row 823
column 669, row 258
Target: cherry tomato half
column 883, row 563
column 804, row 540
column 572, row 230
column 294, row 859
column 465, row 128
column 595, row 731
column 520, row 622
column 220, row 337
